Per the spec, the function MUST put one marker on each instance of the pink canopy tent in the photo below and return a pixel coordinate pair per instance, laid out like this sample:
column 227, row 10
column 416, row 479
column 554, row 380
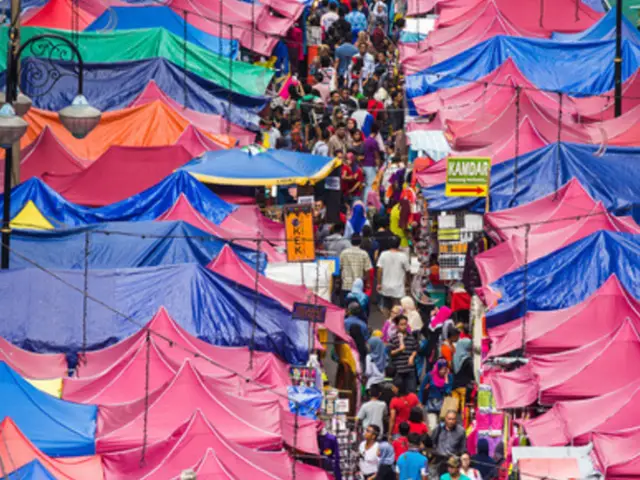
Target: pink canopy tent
column 500, row 151
column 617, row 454
column 254, row 421
column 16, row 451
column 559, row 330
column 59, row 14
column 207, row 122
column 499, row 117
column 286, row 8
column 190, row 444
column 568, row 202
column 417, row 7
column 623, row 131
column 510, row 255
column 230, row 266
column 35, row 366
column 119, row 173
column 594, row 369
column 576, row 421
column 248, row 221
column 184, row 211
column 599, row 108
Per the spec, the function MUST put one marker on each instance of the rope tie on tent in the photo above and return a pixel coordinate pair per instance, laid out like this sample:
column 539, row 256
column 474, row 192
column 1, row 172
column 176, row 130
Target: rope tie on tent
column 555, row 195
column 577, row 10
column 517, row 152
column 541, row 12
column 230, row 74
column 525, row 279
column 6, row 447
column 145, row 418
column 295, row 446
column 255, row 305
column 85, row 297
column 185, row 47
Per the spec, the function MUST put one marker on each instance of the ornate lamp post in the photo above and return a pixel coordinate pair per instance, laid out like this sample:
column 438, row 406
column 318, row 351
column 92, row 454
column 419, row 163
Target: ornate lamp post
column 79, row 117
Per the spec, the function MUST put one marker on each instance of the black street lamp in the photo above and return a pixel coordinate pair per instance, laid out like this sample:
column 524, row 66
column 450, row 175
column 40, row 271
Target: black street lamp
column 79, row 117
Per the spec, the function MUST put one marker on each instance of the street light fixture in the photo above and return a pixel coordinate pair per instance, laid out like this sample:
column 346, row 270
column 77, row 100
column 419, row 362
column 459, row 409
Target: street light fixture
column 79, row 118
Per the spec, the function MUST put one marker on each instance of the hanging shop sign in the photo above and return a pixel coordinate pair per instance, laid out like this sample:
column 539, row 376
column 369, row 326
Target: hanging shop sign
column 308, row 312
column 468, row 176
column 299, row 233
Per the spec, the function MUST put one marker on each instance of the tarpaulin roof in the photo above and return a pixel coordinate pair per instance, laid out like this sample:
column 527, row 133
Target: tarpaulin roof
column 58, row 428
column 539, row 175
column 617, row 453
column 206, row 304
column 623, row 130
column 558, row 330
column 147, row 205
column 252, row 421
column 552, row 281
column 147, row 16
column 229, row 265
column 112, row 86
column 603, row 29
column 188, row 444
column 203, row 121
column 271, row 167
column 151, row 125
column 528, row 137
column 33, row 470
column 586, row 372
column 16, row 451
column 35, row 366
column 182, row 210
column 581, row 69
column 120, row 245
column 576, row 421
column 510, row 255
column 212, row 360
column 119, row 173
column 247, row 219
column 598, row 108
column 58, row 14
column 128, row 45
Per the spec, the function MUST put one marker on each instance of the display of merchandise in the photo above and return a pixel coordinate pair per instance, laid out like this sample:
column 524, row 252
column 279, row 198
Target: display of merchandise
column 455, row 232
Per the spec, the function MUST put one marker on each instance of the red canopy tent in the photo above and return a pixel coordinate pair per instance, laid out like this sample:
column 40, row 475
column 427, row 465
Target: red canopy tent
column 252, row 421
column 190, row 444
column 16, row 451
column 575, row 422
column 560, row 330
column 570, row 375
column 35, row 366
column 510, row 255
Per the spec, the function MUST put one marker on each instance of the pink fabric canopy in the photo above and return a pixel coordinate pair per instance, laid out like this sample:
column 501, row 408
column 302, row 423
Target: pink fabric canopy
column 586, row 372
column 570, row 200
column 229, row 265
column 559, row 330
column 623, row 131
column 617, row 454
column 35, row 366
column 286, row 8
column 248, row 220
column 500, row 151
column 599, row 108
column 190, row 445
column 254, row 421
column 204, row 121
column 576, row 421
column 119, row 173
column 184, row 211
column 510, row 255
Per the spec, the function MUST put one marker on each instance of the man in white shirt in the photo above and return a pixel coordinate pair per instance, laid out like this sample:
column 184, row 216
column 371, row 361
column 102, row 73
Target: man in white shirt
column 369, row 448
column 393, row 269
column 328, row 18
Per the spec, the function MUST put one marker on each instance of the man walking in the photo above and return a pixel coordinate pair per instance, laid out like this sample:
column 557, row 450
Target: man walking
column 354, row 263
column 393, row 269
column 413, row 465
column 448, row 439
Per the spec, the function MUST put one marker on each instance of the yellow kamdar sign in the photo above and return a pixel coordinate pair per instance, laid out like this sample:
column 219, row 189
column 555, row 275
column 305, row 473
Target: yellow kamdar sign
column 468, row 176
column 298, row 221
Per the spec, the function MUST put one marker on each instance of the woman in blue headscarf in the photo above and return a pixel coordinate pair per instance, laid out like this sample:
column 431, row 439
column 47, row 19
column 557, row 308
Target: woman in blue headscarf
column 357, row 294
column 357, row 220
column 376, row 361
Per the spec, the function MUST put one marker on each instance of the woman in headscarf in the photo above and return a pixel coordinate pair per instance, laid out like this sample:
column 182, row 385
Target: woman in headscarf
column 410, row 310
column 438, row 317
column 436, row 385
column 357, row 220
column 389, row 327
column 376, row 362
column 387, row 459
column 463, row 376
column 357, row 295
column 502, row 472
column 483, row 462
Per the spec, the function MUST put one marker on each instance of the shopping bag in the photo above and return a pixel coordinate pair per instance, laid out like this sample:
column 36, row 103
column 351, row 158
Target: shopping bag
column 449, row 403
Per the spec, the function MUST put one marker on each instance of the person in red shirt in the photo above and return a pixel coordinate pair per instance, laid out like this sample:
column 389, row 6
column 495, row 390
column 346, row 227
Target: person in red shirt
column 358, row 179
column 346, row 176
column 416, row 422
column 400, row 407
column 401, row 444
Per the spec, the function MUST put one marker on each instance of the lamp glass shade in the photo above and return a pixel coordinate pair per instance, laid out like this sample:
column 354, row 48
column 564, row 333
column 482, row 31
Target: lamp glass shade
column 12, row 127
column 80, row 117
column 21, row 105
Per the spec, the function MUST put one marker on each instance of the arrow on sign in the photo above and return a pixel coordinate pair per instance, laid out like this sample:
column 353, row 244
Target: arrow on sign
column 467, row 190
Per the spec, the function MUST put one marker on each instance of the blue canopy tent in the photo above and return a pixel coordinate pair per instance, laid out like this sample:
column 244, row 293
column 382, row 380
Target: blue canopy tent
column 57, row 427
column 121, row 245
column 603, row 29
column 207, row 305
column 569, row 276
column 113, row 86
column 33, row 470
column 256, row 167
column 611, row 177
column 146, row 205
column 581, row 69
column 150, row 16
